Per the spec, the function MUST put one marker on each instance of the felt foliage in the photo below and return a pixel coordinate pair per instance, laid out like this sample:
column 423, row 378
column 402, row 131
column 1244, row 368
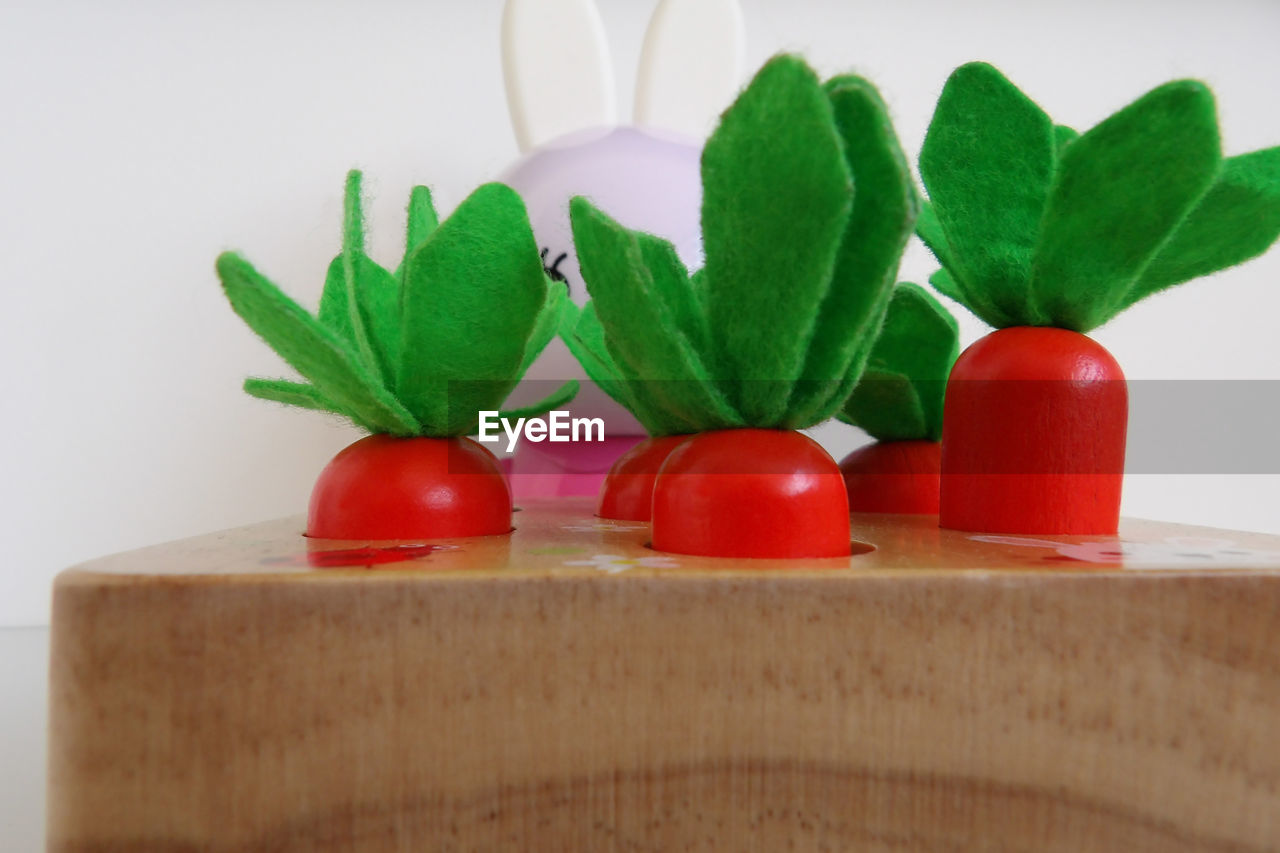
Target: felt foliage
column 1037, row 225
column 417, row 352
column 807, row 206
column 900, row 394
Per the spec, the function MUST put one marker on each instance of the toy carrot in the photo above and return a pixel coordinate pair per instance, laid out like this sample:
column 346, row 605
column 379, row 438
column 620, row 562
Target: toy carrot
column 898, row 402
column 1047, row 234
column 412, row 357
column 771, row 334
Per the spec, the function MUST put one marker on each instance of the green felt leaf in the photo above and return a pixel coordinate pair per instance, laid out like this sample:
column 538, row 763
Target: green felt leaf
column 334, row 310
column 929, row 230
column 776, row 196
column 1063, row 136
column 1238, row 219
column 353, row 213
column 422, row 219
column 885, row 405
column 920, row 341
column 640, row 331
column 1120, row 190
column 360, row 300
column 673, row 287
column 586, row 343
column 358, row 305
column 569, row 312
column 471, row 296
column 377, row 295
column 554, row 400
column 884, row 212
column 590, row 334
column 314, row 350
column 946, row 280
column 298, row 394
column 551, row 317
column 946, row 285
column 697, row 283
column 570, row 315
column 987, row 162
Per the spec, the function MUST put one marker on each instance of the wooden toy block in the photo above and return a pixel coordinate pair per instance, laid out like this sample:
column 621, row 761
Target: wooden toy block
column 568, row 688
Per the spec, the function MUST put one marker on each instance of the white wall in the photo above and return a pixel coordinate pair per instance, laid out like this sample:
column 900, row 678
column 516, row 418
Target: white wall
column 142, row 138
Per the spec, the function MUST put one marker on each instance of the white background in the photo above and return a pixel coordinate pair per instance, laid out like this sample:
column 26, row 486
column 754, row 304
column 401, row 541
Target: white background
column 142, row 138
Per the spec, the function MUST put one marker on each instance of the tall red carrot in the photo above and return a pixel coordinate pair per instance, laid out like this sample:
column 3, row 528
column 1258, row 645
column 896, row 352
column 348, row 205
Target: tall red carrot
column 1046, row 234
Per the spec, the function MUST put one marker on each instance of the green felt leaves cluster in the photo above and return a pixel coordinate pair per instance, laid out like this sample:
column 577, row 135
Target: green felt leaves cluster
column 807, row 206
column 900, row 394
column 1037, row 225
column 417, row 352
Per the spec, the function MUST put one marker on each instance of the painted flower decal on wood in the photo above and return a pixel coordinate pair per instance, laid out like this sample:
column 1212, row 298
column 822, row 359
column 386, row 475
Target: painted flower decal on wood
column 614, row 563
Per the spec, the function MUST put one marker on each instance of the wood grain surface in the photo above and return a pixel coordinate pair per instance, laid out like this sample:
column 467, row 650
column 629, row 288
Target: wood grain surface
column 568, row 688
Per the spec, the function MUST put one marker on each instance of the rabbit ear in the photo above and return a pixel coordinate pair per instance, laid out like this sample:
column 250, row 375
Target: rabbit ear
column 691, row 65
column 556, row 65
